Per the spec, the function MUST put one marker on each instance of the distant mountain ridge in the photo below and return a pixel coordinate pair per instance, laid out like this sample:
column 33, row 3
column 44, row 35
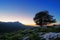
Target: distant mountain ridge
column 11, row 26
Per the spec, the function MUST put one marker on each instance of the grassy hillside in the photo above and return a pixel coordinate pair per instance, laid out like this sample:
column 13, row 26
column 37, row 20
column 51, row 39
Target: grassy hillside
column 31, row 33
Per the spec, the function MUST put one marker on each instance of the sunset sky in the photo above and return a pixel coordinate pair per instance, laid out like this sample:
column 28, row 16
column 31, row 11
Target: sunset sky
column 24, row 10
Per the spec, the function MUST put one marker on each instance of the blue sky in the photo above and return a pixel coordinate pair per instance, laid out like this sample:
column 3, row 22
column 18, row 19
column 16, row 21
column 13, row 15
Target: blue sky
column 24, row 10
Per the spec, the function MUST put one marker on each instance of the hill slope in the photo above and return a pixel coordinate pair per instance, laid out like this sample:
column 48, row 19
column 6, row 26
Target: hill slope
column 11, row 26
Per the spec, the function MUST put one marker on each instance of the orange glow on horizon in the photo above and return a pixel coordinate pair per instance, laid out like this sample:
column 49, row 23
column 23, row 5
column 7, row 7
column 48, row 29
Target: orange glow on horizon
column 23, row 20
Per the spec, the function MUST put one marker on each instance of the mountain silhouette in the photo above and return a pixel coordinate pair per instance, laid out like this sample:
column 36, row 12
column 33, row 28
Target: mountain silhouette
column 11, row 26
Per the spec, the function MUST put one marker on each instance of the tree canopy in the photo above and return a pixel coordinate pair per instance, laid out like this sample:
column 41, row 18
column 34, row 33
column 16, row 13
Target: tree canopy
column 43, row 18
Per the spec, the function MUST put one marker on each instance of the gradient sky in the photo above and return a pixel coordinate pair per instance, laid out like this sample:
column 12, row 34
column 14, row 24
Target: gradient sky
column 24, row 10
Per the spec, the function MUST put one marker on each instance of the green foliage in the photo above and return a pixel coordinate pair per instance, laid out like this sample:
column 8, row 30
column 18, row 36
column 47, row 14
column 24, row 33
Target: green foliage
column 31, row 33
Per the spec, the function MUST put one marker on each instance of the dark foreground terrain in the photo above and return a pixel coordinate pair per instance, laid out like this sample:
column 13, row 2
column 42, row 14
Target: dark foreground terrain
column 18, row 31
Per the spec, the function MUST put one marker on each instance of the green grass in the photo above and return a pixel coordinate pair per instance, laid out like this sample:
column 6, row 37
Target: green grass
column 33, row 33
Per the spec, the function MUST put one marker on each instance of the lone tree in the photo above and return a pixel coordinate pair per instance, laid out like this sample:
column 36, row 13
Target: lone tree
column 43, row 18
